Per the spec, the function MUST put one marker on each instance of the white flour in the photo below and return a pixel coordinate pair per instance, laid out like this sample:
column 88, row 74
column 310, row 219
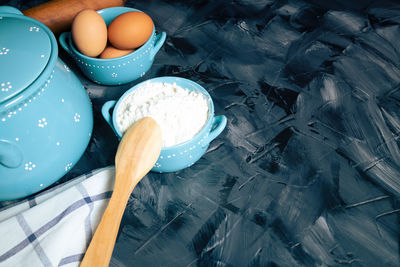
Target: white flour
column 180, row 113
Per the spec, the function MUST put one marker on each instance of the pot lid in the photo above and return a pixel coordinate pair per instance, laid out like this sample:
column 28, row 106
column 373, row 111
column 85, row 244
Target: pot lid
column 25, row 49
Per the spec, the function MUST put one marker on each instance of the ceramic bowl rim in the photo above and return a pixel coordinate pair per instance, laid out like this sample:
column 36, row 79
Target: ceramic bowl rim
column 106, row 60
column 166, row 79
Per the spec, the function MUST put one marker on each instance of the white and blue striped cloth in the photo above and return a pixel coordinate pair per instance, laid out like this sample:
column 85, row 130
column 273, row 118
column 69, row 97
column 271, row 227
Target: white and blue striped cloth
column 55, row 227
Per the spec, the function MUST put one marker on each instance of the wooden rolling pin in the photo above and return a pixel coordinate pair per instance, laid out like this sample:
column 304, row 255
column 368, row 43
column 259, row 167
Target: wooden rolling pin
column 58, row 14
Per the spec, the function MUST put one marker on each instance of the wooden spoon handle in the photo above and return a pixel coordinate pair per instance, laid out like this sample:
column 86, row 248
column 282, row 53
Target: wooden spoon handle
column 102, row 245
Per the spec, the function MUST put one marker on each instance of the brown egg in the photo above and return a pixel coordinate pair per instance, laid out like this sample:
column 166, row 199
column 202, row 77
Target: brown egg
column 89, row 33
column 112, row 52
column 130, row 30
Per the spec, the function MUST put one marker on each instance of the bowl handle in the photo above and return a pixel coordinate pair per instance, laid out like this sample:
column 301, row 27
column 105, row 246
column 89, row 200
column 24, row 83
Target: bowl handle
column 105, row 111
column 160, row 39
column 218, row 125
column 63, row 42
column 10, row 154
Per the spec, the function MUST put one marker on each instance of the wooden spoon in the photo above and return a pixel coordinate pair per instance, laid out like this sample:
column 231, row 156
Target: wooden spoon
column 137, row 152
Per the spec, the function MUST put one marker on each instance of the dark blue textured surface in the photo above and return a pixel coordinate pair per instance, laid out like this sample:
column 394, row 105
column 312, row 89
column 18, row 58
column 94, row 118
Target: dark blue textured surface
column 307, row 172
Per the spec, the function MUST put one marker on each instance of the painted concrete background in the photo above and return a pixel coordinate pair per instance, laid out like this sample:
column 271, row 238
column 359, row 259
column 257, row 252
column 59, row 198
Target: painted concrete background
column 307, row 172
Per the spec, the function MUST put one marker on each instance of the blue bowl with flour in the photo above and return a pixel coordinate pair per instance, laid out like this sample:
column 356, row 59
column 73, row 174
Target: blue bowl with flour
column 183, row 155
column 120, row 70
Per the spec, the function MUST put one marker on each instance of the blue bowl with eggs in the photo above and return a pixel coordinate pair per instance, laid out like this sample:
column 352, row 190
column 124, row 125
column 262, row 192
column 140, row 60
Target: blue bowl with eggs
column 120, row 70
column 180, row 156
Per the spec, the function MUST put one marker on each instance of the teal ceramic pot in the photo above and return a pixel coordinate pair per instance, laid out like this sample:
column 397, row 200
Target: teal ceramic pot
column 119, row 70
column 46, row 116
column 183, row 155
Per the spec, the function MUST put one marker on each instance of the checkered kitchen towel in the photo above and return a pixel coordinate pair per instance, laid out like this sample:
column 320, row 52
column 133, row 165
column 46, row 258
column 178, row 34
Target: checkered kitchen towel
column 55, row 227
